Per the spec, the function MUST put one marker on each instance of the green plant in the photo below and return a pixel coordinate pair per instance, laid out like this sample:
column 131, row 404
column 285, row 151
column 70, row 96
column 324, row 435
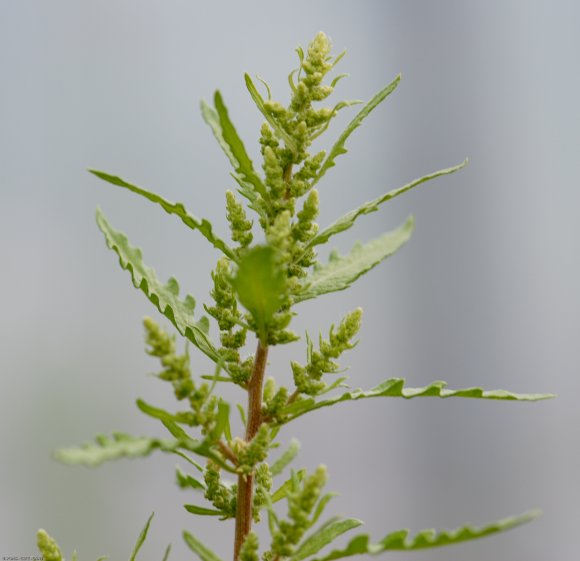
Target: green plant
column 255, row 289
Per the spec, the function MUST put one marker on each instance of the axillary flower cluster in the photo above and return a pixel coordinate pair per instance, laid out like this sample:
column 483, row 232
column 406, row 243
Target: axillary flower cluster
column 256, row 287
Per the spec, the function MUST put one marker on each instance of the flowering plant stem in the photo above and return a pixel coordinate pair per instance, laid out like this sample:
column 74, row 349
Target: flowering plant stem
column 256, row 289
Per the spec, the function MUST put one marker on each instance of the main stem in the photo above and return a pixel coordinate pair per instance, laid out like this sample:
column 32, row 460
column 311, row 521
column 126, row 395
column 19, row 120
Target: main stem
column 246, row 482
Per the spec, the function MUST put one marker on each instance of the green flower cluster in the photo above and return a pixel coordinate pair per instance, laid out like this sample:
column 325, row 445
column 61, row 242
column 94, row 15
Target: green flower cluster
column 263, row 482
column 176, row 369
column 250, row 454
column 308, row 379
column 229, row 317
column 48, row 547
column 301, row 503
column 221, row 496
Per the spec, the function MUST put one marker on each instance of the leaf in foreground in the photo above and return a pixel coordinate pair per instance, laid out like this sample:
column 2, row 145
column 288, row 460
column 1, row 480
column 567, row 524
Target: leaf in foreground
column 400, row 540
column 395, row 387
column 260, row 284
column 165, row 297
column 341, row 271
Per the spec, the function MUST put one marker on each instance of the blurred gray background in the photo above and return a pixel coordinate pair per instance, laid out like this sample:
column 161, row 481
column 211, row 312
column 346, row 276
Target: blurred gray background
column 486, row 292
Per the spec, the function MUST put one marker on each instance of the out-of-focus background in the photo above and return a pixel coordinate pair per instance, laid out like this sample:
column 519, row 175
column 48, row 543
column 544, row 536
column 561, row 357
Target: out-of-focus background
column 486, row 292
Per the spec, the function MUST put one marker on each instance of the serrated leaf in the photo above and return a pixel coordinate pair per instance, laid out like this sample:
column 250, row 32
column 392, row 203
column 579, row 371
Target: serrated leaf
column 323, row 536
column 178, row 209
column 141, row 538
column 292, row 451
column 341, row 271
column 339, row 145
column 346, row 221
column 119, row 446
column 165, row 297
column 227, row 137
column 185, row 480
column 260, row 285
column 201, row 511
column 395, row 387
column 201, row 550
column 259, row 101
column 426, row 539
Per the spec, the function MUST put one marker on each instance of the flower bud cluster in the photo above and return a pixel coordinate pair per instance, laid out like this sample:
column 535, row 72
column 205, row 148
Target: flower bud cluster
column 222, row 497
column 263, row 480
column 250, row 454
column 228, row 316
column 176, row 369
column 301, row 503
column 308, row 378
column 48, row 547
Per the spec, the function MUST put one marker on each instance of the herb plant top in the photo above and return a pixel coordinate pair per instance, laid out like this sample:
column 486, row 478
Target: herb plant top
column 256, row 287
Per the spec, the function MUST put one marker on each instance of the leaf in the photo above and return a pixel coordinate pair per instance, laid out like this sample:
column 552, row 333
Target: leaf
column 194, row 509
column 167, row 552
column 196, row 546
column 225, row 133
column 346, row 221
column 339, row 147
column 223, row 421
column 426, row 539
column 341, row 271
column 292, row 451
column 288, row 486
column 394, row 387
column 204, row 226
column 322, row 505
column 141, row 539
column 200, row 447
column 259, row 101
column 185, row 480
column 260, row 285
column 119, row 446
column 323, row 536
column 165, row 297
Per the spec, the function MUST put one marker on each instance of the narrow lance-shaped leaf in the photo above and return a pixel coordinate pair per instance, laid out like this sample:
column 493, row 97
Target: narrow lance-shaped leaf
column 259, row 101
column 341, row 271
column 165, row 297
column 201, row 550
column 395, row 387
column 400, row 540
column 339, row 145
column 233, row 147
column 292, row 451
column 260, row 284
column 346, row 221
column 187, row 481
column 202, row 511
column 141, row 538
column 200, row 447
column 203, row 225
column 119, row 446
column 323, row 536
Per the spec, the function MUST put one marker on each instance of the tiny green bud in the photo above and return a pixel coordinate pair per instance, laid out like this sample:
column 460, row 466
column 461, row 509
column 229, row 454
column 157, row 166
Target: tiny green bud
column 48, row 547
